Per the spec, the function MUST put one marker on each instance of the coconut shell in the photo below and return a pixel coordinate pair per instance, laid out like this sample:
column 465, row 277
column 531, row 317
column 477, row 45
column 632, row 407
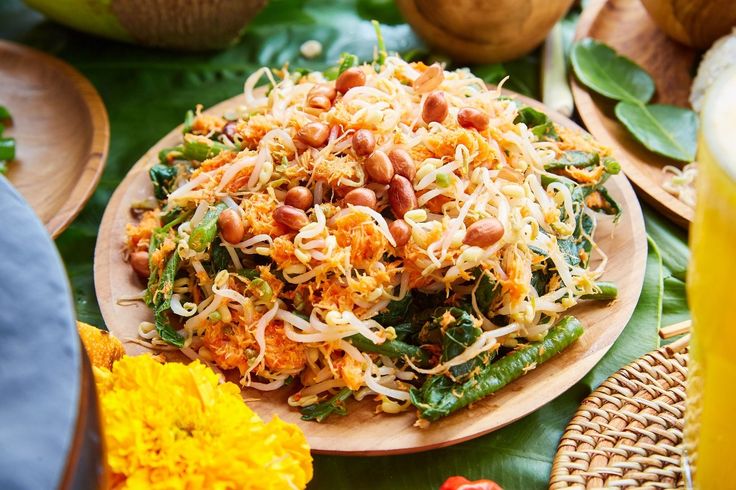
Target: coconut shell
column 477, row 31
column 696, row 23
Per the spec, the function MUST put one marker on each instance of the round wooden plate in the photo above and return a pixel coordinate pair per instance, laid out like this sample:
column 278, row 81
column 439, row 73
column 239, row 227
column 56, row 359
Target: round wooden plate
column 626, row 27
column 362, row 431
column 61, row 131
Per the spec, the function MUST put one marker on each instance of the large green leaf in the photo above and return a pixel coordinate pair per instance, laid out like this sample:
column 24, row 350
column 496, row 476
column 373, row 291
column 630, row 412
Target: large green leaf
column 147, row 92
column 602, row 69
column 665, row 129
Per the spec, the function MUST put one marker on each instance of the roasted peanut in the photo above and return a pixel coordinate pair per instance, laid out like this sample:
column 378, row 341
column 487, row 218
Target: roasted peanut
column 401, row 196
column 363, row 142
column 139, row 263
column 314, row 134
column 299, row 197
column 350, row 78
column 231, row 226
column 229, row 130
column 401, row 231
column 484, row 233
column 361, row 197
column 324, row 90
column 472, row 118
column 319, row 102
column 402, row 163
column 291, row 217
column 429, row 80
column 435, row 108
column 379, row 167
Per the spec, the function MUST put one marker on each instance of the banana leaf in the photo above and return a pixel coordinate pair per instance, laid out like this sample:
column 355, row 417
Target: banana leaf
column 147, row 92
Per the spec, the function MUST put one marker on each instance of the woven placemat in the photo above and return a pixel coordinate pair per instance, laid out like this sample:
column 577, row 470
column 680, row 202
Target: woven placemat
column 627, row 433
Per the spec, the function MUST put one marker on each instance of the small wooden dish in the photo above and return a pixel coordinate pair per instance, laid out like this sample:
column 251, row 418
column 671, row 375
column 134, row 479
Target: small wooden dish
column 628, row 432
column 61, row 130
column 626, row 27
column 362, row 431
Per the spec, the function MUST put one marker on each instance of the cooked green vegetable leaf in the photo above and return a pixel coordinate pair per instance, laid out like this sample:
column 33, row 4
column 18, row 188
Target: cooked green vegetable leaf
column 162, row 178
column 602, row 69
column 487, row 291
column 392, row 348
column 668, row 130
column 320, row 411
column 538, row 122
column 458, row 336
column 396, row 312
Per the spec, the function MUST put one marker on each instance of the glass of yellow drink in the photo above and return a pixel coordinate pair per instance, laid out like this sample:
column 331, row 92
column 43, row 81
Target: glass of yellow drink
column 710, row 422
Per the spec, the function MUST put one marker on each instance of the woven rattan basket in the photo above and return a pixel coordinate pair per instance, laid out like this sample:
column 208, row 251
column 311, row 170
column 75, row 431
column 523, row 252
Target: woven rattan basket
column 627, row 433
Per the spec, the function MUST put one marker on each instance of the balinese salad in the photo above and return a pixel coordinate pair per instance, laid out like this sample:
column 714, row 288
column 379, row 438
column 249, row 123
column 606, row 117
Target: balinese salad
column 387, row 230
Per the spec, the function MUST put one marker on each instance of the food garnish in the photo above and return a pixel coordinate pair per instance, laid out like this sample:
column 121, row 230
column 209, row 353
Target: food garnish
column 387, row 229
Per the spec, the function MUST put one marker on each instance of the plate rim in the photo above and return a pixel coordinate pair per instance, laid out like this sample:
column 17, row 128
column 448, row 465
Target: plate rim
column 652, row 191
column 96, row 159
column 103, row 293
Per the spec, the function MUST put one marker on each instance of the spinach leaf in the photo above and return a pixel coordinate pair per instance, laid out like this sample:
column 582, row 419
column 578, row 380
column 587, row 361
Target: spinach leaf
column 538, row 122
column 457, row 337
column 220, row 257
column 668, row 130
column 602, row 69
column 320, row 411
column 396, row 312
column 569, row 250
column 162, row 178
column 487, row 291
column 249, row 273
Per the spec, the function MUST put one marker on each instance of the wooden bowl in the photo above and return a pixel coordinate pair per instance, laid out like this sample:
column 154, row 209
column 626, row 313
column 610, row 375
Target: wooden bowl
column 175, row 24
column 362, row 431
column 483, row 32
column 696, row 23
column 625, row 26
column 61, row 130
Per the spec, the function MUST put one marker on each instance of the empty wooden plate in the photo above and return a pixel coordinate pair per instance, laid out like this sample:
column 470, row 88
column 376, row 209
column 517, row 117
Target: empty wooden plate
column 61, row 130
column 362, row 431
column 626, row 27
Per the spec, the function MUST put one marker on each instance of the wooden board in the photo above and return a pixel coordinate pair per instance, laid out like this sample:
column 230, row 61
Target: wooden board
column 626, row 27
column 61, row 130
column 363, row 432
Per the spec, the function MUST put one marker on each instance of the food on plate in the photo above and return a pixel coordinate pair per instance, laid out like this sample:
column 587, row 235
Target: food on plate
column 388, row 230
column 102, row 348
column 7, row 145
column 175, row 426
column 462, row 483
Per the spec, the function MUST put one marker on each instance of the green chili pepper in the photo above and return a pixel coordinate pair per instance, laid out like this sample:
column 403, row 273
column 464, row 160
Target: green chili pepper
column 7, row 149
column 381, row 52
column 206, row 230
column 348, row 61
column 188, row 122
column 440, row 396
column 606, row 291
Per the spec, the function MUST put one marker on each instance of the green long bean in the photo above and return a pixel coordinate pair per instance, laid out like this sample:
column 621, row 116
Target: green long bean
column 203, row 234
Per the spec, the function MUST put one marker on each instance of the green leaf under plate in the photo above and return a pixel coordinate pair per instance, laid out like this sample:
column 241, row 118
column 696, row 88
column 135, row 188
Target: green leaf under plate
column 608, row 73
column 663, row 129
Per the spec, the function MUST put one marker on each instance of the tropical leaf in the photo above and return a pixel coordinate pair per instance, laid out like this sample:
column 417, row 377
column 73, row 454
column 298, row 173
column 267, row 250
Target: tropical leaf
column 167, row 84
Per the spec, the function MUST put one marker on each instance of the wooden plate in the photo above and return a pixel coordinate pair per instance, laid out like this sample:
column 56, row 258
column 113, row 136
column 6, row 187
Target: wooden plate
column 363, row 432
column 626, row 27
column 61, row 130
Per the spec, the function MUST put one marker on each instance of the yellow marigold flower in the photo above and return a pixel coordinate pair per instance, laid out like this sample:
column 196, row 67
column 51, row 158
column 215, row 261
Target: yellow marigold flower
column 173, row 426
column 102, row 348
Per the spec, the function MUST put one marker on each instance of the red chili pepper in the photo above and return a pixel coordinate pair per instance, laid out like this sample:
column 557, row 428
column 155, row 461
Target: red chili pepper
column 462, row 483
